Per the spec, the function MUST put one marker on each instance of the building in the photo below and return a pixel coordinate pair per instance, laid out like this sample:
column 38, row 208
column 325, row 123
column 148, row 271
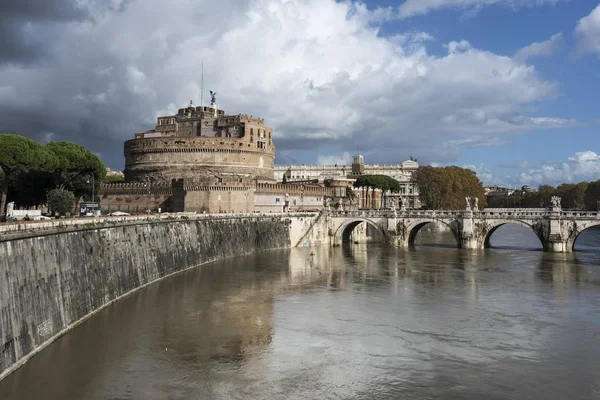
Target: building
column 110, row 172
column 408, row 195
column 203, row 160
column 204, row 144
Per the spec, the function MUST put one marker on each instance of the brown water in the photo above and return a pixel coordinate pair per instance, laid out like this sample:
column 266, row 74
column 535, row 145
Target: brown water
column 362, row 322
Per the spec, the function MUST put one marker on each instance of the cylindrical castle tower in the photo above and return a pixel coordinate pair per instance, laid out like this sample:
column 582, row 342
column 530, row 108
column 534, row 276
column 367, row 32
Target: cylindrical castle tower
column 204, row 144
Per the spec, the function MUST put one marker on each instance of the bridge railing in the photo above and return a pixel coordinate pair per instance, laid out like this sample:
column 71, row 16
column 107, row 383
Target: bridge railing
column 488, row 213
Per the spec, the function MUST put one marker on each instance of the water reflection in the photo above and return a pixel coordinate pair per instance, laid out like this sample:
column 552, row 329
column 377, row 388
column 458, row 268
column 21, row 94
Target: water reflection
column 361, row 321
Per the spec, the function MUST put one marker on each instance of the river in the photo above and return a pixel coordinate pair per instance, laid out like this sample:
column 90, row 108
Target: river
column 357, row 322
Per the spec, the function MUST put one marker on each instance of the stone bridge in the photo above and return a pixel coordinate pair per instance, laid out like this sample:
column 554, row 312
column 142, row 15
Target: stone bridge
column 556, row 229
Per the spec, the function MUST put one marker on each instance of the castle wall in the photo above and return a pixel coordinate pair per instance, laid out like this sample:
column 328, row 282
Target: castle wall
column 220, row 200
column 159, row 160
column 134, row 198
column 192, row 195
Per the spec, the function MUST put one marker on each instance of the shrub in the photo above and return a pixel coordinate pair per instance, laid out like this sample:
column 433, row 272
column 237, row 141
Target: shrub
column 61, row 201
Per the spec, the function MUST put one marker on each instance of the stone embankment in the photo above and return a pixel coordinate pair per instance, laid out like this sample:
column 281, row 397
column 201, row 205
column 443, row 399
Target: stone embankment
column 54, row 275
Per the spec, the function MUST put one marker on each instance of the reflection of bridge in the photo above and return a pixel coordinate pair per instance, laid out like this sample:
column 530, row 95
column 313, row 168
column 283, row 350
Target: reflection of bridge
column 556, row 229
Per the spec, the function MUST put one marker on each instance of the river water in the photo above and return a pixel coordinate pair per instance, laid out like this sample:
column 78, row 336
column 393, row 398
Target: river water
column 358, row 322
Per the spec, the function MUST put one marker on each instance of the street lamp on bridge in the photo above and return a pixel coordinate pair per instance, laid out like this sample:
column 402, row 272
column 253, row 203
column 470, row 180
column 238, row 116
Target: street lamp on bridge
column 93, row 202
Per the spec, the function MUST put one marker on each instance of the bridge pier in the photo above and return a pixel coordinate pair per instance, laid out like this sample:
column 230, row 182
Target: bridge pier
column 467, row 238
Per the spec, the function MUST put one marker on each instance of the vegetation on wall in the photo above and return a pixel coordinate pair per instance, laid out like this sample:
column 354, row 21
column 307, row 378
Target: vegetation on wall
column 445, row 188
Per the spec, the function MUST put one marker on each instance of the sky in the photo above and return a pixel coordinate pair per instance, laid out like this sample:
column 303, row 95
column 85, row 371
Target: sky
column 508, row 88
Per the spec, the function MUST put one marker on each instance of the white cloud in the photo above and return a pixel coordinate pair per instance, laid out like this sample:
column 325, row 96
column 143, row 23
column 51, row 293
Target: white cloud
column 583, row 166
column 344, row 159
column 421, row 7
column 318, row 71
column 484, row 174
column 545, row 48
column 588, row 33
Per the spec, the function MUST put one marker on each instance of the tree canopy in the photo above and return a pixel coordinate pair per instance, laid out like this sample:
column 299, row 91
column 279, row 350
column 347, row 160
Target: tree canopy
column 75, row 165
column 381, row 182
column 592, row 195
column 31, row 170
column 447, row 187
column 573, row 196
column 19, row 155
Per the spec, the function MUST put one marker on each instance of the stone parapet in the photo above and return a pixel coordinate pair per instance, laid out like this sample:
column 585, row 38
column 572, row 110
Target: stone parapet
column 174, row 144
column 294, row 189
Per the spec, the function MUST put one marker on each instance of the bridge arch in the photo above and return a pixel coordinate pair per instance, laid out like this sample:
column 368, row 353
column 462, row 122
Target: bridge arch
column 577, row 232
column 415, row 226
column 497, row 224
column 344, row 231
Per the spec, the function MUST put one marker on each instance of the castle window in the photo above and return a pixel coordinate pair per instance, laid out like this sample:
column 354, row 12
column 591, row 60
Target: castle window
column 252, row 131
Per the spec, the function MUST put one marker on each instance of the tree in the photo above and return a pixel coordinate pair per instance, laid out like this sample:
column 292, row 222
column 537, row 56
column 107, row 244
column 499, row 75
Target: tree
column 572, row 195
column 284, row 179
column 372, row 182
column 61, row 201
column 75, row 165
column 447, row 187
column 592, row 195
column 113, row 179
column 19, row 154
column 545, row 192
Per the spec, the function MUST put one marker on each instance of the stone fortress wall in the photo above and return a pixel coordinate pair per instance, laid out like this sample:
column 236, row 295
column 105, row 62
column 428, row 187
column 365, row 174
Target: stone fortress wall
column 159, row 160
column 193, row 195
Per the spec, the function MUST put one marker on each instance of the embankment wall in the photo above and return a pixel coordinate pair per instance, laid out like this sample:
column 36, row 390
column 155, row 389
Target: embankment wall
column 50, row 281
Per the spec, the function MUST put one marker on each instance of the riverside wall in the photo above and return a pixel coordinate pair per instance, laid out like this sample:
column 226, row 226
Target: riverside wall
column 53, row 279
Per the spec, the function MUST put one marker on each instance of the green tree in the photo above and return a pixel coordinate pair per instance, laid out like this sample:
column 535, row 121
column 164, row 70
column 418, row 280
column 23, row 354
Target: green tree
column 113, row 179
column 545, row 192
column 61, row 201
column 592, row 195
column 572, row 195
column 75, row 165
column 373, row 182
column 19, row 154
column 447, row 187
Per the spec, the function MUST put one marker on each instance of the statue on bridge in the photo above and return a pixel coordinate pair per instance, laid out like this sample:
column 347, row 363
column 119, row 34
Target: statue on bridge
column 403, row 203
column 555, row 203
column 472, row 203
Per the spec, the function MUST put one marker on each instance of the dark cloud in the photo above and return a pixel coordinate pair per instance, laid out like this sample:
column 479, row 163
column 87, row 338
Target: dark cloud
column 22, row 23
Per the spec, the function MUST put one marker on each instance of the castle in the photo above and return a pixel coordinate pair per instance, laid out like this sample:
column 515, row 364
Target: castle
column 204, row 144
column 203, row 160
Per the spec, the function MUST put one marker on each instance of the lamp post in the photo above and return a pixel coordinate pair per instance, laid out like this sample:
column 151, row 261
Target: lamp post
column 147, row 185
column 93, row 197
